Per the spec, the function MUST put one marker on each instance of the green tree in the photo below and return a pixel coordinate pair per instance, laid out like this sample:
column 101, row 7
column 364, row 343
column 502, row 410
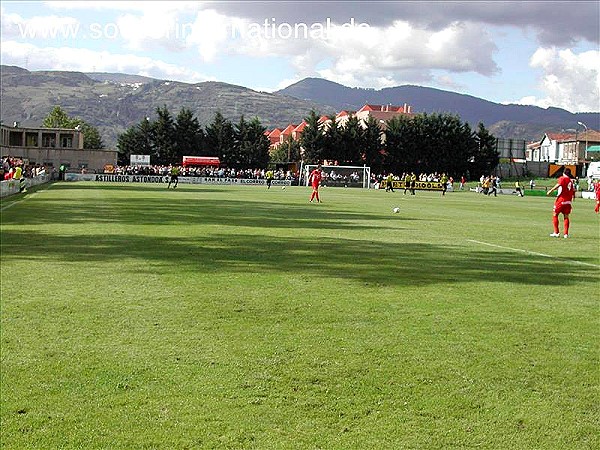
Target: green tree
column 287, row 151
column 220, row 138
column 57, row 118
column 127, row 145
column 136, row 140
column 373, row 146
column 251, row 144
column 189, row 135
column 312, row 140
column 239, row 156
column 395, row 130
column 332, row 141
column 164, row 137
column 484, row 157
column 352, row 141
column 257, row 147
column 91, row 136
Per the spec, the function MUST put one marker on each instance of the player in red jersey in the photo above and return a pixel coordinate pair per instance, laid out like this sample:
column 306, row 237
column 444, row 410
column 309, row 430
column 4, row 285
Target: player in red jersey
column 597, row 191
column 563, row 202
column 315, row 181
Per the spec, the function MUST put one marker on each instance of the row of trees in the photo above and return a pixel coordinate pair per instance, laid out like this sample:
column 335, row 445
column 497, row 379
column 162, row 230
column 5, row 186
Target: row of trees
column 167, row 139
column 423, row 143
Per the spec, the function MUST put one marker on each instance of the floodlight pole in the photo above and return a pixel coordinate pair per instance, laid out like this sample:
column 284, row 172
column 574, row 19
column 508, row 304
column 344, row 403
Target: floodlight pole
column 586, row 139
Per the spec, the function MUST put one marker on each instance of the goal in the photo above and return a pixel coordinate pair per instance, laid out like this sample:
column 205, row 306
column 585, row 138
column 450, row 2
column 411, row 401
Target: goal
column 341, row 176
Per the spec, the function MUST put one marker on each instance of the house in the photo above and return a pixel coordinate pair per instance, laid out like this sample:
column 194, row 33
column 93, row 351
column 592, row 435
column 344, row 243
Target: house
column 274, row 137
column 575, row 148
column 533, row 151
column 297, row 132
column 556, row 150
column 53, row 147
column 382, row 113
column 287, row 133
column 551, row 148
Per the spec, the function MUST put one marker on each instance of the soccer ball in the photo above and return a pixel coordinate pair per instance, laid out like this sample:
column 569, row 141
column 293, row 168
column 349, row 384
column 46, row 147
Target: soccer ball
column 396, row 210
column 282, row 187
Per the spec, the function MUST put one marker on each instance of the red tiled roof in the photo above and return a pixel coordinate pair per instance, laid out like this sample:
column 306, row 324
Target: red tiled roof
column 368, row 108
column 288, row 129
column 560, row 136
column 589, row 135
column 300, row 127
column 386, row 108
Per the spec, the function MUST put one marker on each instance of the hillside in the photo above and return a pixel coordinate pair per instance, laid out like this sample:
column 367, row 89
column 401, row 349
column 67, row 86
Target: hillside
column 510, row 121
column 115, row 103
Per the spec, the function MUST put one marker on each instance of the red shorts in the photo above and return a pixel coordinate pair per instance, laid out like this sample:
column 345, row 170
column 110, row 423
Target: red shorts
column 562, row 208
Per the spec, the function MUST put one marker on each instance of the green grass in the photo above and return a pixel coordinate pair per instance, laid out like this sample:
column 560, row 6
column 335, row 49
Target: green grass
column 136, row 317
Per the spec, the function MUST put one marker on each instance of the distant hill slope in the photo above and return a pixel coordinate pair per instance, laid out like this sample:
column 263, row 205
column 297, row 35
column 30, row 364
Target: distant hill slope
column 115, row 102
column 119, row 77
column 511, row 121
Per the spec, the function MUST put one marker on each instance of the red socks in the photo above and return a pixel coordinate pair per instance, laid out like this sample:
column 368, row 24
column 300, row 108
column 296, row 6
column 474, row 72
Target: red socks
column 555, row 223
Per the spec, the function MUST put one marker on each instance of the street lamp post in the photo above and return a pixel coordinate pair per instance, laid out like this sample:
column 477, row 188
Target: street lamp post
column 586, row 138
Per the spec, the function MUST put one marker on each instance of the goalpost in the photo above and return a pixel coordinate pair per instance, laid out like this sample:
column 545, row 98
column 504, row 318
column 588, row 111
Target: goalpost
column 341, row 176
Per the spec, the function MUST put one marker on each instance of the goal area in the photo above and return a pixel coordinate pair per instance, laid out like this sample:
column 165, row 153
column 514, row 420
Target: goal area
column 341, row 176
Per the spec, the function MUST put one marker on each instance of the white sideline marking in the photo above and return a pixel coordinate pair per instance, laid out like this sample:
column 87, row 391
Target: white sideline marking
column 11, row 204
column 531, row 253
column 24, row 198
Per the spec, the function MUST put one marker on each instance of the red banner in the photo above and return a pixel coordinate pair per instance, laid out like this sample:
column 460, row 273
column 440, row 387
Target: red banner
column 201, row 161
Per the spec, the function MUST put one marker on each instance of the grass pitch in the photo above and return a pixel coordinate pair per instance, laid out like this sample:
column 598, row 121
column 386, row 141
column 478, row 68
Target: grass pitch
column 136, row 317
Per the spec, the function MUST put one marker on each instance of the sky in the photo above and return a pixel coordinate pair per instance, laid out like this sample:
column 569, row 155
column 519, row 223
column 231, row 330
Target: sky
column 543, row 53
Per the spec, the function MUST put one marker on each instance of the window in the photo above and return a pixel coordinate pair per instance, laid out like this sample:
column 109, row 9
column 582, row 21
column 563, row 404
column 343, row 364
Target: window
column 31, row 139
column 48, row 140
column 15, row 139
column 66, row 140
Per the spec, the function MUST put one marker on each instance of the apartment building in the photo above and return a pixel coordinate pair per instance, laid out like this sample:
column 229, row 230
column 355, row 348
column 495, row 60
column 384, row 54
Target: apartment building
column 53, row 147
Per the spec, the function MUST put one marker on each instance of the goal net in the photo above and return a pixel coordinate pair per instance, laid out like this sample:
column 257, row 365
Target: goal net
column 341, row 176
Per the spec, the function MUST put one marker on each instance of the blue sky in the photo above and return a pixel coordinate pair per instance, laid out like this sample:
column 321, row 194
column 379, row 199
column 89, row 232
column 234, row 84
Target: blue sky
column 540, row 53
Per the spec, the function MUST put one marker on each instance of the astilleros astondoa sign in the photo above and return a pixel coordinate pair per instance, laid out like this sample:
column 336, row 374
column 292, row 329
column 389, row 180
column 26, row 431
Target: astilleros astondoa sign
column 158, row 179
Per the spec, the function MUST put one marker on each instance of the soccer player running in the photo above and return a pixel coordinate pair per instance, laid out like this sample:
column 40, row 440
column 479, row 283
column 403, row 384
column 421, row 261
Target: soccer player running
column 315, row 181
column 563, row 202
column 174, row 177
column 269, row 175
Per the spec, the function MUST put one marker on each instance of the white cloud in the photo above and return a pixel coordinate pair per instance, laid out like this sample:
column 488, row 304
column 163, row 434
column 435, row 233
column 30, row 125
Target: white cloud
column 373, row 56
column 65, row 58
column 164, row 6
column 210, row 33
column 380, row 57
column 570, row 81
column 15, row 26
column 404, row 42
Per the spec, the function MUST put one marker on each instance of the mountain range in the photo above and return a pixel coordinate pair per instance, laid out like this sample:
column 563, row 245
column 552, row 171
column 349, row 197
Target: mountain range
column 507, row 121
column 114, row 102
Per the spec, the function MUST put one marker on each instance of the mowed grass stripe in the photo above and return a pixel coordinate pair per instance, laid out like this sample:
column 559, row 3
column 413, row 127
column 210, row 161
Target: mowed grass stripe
column 240, row 317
